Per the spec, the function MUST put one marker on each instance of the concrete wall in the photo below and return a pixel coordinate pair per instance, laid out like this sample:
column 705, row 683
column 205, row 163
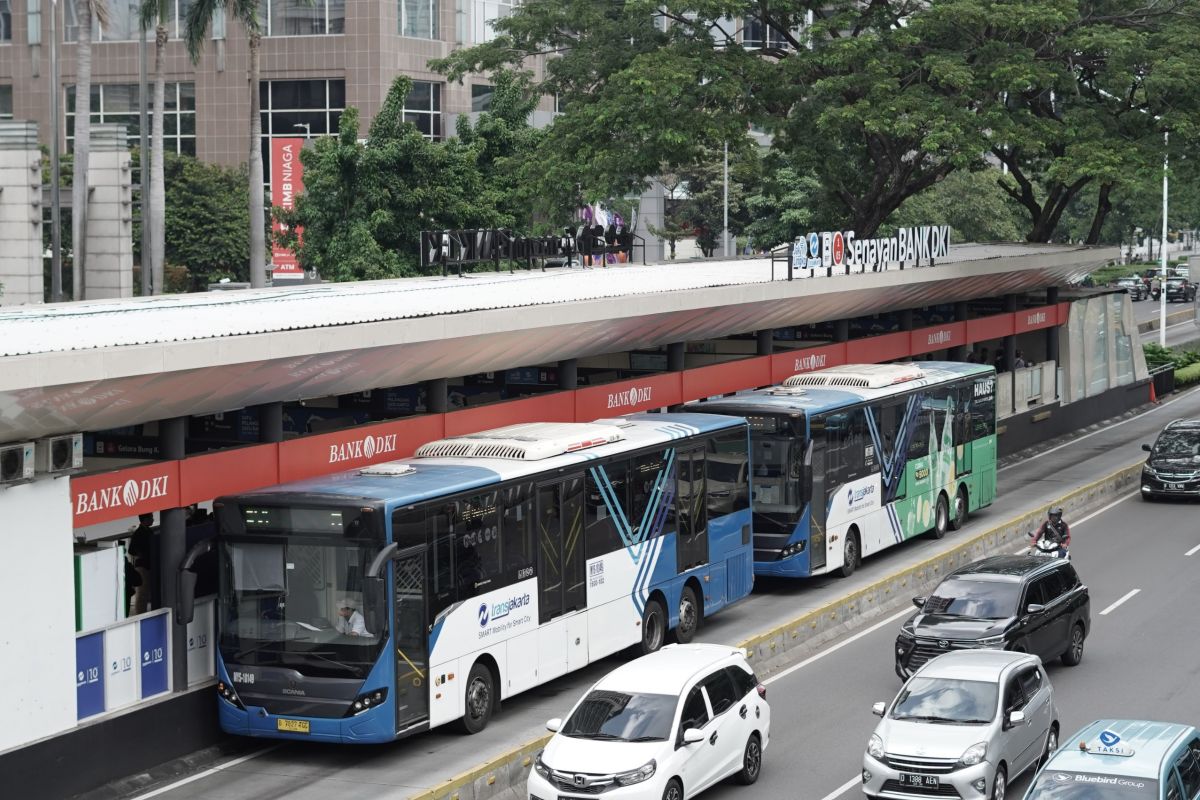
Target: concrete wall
column 37, row 636
column 20, row 213
column 110, row 215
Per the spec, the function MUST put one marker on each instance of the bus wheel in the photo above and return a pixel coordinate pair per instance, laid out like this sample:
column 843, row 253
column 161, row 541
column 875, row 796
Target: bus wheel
column 689, row 616
column 654, row 627
column 961, row 507
column 850, row 554
column 480, row 698
column 941, row 517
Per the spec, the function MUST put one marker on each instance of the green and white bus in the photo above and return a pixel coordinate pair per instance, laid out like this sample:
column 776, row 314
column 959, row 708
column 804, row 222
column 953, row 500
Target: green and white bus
column 851, row 460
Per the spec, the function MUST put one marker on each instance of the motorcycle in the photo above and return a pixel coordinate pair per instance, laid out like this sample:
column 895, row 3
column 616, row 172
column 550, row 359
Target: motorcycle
column 1047, row 548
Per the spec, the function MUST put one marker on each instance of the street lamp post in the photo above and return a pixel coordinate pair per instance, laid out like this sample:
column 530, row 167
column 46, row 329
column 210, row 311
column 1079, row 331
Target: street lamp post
column 56, row 288
column 1162, row 275
column 725, row 226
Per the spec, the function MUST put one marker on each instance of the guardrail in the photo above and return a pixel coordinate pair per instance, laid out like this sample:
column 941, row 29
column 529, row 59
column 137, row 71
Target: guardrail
column 1163, row 378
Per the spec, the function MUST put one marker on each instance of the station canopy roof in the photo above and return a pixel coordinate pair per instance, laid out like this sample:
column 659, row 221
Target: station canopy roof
column 103, row 364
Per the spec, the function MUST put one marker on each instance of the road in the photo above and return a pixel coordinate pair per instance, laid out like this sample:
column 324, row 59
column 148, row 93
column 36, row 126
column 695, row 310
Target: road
column 1139, row 661
column 303, row 771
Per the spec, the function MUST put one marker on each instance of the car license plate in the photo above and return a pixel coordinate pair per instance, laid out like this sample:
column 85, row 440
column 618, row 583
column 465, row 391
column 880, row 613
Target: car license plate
column 1174, row 485
column 292, row 725
column 923, row 781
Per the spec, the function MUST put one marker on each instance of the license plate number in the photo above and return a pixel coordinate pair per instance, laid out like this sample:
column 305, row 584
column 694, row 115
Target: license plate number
column 292, row 725
column 1174, row 485
column 925, row 781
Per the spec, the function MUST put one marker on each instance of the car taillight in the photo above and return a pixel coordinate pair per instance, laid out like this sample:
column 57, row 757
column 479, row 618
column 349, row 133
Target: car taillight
column 762, row 691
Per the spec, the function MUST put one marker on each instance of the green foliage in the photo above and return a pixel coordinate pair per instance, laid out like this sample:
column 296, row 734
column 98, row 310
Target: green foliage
column 1157, row 356
column 1187, row 376
column 365, row 205
column 972, row 203
column 783, row 208
column 207, row 220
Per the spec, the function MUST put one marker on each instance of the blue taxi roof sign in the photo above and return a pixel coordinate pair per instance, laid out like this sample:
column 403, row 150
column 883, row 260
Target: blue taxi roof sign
column 1107, row 743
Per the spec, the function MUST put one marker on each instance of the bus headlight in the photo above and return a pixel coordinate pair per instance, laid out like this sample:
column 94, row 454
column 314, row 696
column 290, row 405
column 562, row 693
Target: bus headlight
column 366, row 701
column 792, row 549
column 229, row 695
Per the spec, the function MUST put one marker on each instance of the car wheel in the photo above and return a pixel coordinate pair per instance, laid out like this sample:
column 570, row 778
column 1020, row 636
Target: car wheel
column 1051, row 745
column 850, row 554
column 751, row 761
column 674, row 790
column 941, row 517
column 480, row 694
column 999, row 783
column 1074, row 652
column 960, row 509
column 654, row 627
column 689, row 616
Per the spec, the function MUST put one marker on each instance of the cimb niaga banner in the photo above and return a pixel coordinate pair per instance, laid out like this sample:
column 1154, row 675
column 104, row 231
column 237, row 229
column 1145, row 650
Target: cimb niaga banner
column 287, row 181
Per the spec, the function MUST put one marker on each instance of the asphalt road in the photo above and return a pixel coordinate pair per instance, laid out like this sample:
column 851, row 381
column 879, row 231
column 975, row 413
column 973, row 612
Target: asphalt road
column 1141, row 659
column 823, row 733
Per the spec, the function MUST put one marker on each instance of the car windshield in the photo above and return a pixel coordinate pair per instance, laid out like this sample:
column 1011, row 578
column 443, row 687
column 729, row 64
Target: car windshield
column 942, row 700
column 623, row 717
column 960, row 597
column 1177, row 444
column 1055, row 784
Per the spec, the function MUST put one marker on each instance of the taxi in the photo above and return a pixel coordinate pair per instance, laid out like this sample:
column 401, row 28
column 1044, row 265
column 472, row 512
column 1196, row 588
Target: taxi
column 1123, row 760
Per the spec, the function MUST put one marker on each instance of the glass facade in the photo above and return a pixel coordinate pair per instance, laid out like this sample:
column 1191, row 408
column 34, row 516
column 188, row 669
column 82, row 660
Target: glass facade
column 6, row 102
column 481, row 97
column 423, row 108
column 419, row 18
column 118, row 102
column 299, row 108
column 300, row 18
column 487, row 12
column 1101, row 347
column 123, row 21
column 6, row 21
column 756, row 35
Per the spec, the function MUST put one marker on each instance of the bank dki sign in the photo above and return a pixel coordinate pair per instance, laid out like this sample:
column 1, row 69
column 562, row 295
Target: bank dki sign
column 830, row 250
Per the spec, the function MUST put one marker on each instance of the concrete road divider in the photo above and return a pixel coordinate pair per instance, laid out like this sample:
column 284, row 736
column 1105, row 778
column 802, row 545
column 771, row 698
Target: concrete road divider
column 1174, row 318
column 503, row 777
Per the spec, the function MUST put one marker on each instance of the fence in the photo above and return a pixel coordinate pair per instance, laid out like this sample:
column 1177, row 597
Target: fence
column 1020, row 389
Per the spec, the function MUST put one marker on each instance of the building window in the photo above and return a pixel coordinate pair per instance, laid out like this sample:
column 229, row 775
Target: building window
column 6, row 102
column 123, row 22
column 299, row 108
column 118, row 102
column 756, row 35
column 300, row 18
column 423, row 108
column 481, row 97
column 486, row 13
column 6, row 21
column 419, row 18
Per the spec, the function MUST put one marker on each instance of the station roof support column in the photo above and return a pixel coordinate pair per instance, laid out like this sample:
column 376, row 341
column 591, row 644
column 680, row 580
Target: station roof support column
column 962, row 351
column 568, row 374
column 172, row 545
column 437, row 396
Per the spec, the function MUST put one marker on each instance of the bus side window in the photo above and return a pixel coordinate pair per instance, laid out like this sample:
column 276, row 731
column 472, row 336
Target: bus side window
column 983, row 408
column 408, row 527
column 476, row 527
column 443, row 594
column 517, row 533
column 728, row 467
column 606, row 484
column 918, row 445
column 643, row 481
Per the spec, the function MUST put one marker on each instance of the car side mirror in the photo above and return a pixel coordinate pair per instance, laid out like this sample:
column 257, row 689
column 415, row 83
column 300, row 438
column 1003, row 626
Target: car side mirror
column 878, row 709
column 693, row 736
column 1035, row 608
column 1016, row 717
column 1147, row 448
column 553, row 725
column 919, row 602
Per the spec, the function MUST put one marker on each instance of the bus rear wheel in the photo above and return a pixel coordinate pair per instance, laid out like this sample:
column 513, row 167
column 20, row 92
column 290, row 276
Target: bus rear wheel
column 654, row 627
column 689, row 616
column 961, row 509
column 851, row 554
column 480, row 698
column 941, row 518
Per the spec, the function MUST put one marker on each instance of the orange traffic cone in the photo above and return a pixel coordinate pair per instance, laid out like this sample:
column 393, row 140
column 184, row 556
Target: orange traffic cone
column 1153, row 396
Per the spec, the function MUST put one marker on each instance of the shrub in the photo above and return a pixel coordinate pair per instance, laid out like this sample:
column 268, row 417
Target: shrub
column 1187, row 376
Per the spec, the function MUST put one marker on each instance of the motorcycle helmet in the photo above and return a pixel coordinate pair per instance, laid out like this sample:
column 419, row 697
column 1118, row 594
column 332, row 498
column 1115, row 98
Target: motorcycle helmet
column 1055, row 514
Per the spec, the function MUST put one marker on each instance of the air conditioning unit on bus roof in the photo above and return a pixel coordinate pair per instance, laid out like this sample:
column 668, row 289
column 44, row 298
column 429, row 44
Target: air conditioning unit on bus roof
column 859, row 376
column 530, row 441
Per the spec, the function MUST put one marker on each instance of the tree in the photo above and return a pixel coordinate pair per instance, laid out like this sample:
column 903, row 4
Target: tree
column 85, row 12
column 784, row 206
column 365, row 204
column 972, row 202
column 199, row 16
column 157, row 13
column 206, row 222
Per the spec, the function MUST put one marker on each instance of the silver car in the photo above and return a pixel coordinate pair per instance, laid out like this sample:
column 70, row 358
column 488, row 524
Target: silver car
column 964, row 725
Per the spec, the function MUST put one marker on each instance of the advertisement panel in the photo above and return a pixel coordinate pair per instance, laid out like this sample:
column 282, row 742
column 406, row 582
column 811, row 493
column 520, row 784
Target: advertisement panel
column 201, row 657
column 125, row 493
column 309, row 456
column 154, row 656
column 89, row 675
column 938, row 337
column 287, row 181
column 626, row 397
column 810, row 359
column 1032, row 319
column 120, row 657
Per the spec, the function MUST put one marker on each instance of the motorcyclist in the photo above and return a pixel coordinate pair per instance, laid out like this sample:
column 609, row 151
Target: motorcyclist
column 1054, row 529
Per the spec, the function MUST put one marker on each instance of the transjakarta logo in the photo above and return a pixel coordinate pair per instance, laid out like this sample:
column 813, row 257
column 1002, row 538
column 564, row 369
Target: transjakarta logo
column 630, row 397
column 126, row 495
column 367, row 447
column 807, row 363
column 502, row 609
column 855, row 495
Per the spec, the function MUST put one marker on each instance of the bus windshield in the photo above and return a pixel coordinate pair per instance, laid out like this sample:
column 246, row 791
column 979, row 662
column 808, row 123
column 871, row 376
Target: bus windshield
column 778, row 458
column 300, row 605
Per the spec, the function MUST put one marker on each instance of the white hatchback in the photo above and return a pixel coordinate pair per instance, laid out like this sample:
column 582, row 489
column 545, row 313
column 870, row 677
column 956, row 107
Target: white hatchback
column 667, row 725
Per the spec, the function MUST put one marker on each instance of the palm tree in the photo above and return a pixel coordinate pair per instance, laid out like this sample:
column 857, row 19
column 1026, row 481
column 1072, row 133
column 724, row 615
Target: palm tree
column 85, row 12
column 157, row 12
column 200, row 15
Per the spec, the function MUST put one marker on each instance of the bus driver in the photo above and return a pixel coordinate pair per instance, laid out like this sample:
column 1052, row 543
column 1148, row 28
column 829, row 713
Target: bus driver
column 350, row 620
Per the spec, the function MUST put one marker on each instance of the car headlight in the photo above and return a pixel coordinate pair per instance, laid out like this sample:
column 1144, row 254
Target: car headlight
column 875, row 747
column 990, row 641
column 974, row 754
column 1149, row 470
column 642, row 773
column 540, row 767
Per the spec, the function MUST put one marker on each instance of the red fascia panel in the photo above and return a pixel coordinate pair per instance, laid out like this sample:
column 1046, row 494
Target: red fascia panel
column 732, row 376
column 877, row 349
column 210, row 475
column 310, row 456
column 549, row 407
column 625, row 397
column 125, row 492
column 808, row 359
column 1032, row 319
column 993, row 326
column 938, row 337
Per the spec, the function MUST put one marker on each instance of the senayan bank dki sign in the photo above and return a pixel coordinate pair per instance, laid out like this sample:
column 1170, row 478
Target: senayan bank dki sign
column 831, row 249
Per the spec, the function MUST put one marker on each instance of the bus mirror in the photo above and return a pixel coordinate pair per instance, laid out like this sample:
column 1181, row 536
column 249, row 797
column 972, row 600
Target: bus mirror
column 373, row 597
column 185, row 599
column 381, row 558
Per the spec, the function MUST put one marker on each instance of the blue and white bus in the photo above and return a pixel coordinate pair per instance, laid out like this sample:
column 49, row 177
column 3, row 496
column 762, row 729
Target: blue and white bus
column 377, row 603
column 851, row 460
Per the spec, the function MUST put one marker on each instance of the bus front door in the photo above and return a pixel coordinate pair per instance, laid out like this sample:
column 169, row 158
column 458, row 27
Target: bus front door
column 561, row 577
column 411, row 638
column 691, row 503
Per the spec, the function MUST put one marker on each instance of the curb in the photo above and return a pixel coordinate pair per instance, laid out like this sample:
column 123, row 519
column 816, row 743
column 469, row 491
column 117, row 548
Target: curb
column 1172, row 318
column 506, row 771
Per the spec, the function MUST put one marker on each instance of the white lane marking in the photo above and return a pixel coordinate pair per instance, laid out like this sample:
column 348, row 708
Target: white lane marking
column 214, row 770
column 1115, row 605
column 1194, row 549
column 1036, row 456
column 838, row 646
column 841, row 790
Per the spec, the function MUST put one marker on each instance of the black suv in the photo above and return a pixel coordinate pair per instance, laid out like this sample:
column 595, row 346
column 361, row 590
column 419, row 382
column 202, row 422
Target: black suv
column 1173, row 467
column 1180, row 289
column 1030, row 604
